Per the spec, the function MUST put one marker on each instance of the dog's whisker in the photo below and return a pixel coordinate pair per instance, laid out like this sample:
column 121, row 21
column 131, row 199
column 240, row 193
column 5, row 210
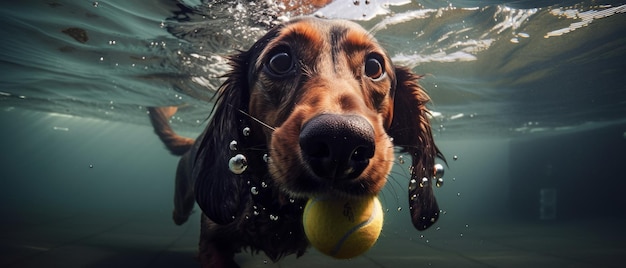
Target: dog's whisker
column 402, row 174
column 252, row 117
column 257, row 120
column 394, row 179
column 257, row 148
column 390, row 189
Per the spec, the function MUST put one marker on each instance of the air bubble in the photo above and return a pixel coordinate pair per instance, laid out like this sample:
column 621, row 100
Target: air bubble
column 238, row 164
column 401, row 159
column 439, row 182
column 233, row 145
column 439, row 170
column 246, row 131
column 424, row 182
column 399, row 208
column 263, row 184
column 273, row 217
column 254, row 191
column 266, row 158
column 455, row 158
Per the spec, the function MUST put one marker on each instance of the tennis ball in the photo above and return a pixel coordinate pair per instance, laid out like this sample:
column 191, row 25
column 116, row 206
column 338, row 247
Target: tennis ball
column 343, row 228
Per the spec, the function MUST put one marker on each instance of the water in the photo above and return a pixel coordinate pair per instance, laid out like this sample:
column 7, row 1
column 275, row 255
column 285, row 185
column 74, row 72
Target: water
column 491, row 69
column 528, row 98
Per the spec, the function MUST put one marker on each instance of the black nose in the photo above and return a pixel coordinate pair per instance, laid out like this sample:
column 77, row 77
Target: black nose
column 337, row 146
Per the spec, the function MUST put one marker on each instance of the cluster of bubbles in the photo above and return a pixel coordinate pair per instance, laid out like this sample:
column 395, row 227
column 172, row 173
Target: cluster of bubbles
column 439, row 175
column 254, row 190
column 239, row 163
column 438, row 172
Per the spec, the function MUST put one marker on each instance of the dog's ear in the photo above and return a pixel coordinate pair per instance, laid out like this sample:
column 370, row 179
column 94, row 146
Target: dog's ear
column 217, row 189
column 410, row 129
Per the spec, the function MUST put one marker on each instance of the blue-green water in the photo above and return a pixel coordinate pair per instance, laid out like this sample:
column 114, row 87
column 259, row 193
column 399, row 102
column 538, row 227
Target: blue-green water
column 528, row 96
column 492, row 69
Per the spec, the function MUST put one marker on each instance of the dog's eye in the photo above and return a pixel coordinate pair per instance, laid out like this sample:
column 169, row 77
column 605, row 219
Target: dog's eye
column 374, row 67
column 281, row 63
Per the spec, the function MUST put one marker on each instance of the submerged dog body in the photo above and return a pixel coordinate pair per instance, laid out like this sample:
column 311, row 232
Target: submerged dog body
column 315, row 107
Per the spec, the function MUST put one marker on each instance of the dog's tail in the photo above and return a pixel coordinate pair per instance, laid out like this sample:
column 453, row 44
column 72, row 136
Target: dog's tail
column 176, row 144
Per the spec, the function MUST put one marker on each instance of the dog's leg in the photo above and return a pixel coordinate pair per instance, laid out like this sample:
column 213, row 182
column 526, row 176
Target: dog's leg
column 184, row 199
column 215, row 252
column 159, row 117
column 177, row 145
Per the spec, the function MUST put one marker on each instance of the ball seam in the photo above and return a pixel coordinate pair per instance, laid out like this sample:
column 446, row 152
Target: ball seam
column 343, row 239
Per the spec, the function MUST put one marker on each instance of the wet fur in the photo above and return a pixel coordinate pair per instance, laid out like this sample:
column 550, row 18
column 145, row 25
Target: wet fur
column 327, row 79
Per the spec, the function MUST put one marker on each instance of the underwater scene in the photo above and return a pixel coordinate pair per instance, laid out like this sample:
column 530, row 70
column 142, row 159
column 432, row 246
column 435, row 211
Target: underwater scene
column 528, row 108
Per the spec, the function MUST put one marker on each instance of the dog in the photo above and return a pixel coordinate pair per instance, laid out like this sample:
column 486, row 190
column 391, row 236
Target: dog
column 314, row 107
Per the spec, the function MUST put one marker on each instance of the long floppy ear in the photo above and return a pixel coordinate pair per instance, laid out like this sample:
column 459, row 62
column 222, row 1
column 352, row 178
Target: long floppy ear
column 219, row 191
column 411, row 130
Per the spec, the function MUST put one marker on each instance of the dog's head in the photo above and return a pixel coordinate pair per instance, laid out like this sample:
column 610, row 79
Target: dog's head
column 318, row 106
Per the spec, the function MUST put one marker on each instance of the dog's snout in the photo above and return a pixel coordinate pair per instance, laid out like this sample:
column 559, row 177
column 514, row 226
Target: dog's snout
column 337, row 146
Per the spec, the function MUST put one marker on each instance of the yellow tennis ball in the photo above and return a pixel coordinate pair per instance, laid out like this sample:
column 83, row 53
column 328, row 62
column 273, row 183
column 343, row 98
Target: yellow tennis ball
column 343, row 228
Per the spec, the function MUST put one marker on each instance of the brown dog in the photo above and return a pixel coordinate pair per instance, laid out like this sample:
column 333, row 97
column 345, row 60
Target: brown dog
column 315, row 107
